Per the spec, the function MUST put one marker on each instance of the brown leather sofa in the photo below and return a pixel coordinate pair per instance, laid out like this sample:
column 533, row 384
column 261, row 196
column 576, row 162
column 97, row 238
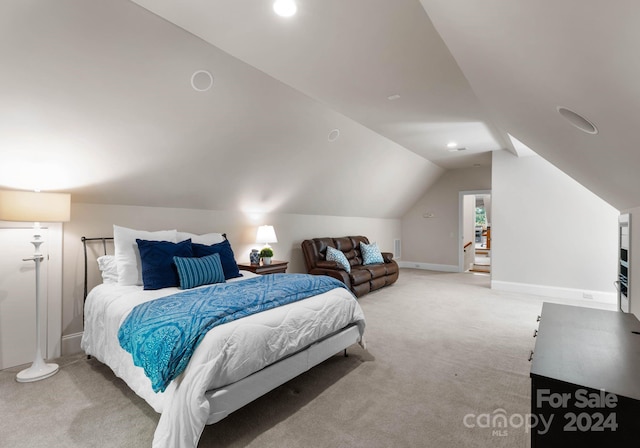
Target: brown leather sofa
column 362, row 278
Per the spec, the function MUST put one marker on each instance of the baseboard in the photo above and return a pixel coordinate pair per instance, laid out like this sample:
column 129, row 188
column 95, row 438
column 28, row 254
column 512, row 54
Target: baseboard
column 71, row 344
column 556, row 292
column 428, row 266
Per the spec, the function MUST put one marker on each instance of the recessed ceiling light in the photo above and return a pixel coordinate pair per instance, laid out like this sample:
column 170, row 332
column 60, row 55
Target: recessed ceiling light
column 457, row 149
column 333, row 135
column 285, row 8
column 393, row 97
column 452, row 144
column 577, row 120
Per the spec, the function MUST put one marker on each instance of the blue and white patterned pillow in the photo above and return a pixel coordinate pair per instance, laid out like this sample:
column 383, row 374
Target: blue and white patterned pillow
column 338, row 257
column 199, row 271
column 370, row 253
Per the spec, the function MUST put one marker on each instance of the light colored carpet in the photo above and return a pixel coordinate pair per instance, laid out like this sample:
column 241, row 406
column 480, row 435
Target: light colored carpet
column 440, row 346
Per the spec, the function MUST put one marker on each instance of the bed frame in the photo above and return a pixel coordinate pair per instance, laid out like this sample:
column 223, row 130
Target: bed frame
column 225, row 400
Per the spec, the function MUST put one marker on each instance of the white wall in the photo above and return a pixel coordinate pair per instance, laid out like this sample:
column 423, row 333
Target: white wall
column 92, row 220
column 432, row 242
column 550, row 231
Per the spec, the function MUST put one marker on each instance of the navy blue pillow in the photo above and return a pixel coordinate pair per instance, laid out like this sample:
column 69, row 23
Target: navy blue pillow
column 158, row 268
column 229, row 265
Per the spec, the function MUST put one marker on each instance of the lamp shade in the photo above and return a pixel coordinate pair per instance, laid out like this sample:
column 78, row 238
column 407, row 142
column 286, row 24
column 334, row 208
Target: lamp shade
column 34, row 206
column 266, row 235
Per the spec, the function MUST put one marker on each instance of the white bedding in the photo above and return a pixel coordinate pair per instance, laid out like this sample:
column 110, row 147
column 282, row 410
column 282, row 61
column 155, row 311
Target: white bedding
column 227, row 354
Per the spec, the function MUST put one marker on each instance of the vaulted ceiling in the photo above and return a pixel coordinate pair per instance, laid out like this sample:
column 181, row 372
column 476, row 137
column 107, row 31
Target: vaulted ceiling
column 525, row 59
column 355, row 56
column 97, row 99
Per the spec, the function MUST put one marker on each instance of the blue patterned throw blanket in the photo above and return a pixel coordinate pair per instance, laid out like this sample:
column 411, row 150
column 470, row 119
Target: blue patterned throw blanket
column 162, row 334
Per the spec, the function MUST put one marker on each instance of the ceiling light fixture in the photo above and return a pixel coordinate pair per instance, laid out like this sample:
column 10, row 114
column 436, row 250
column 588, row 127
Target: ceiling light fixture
column 452, row 145
column 285, row 8
column 577, row 120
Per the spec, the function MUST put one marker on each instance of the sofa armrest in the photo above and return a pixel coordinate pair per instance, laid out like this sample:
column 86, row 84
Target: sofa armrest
column 387, row 257
column 339, row 274
column 327, row 264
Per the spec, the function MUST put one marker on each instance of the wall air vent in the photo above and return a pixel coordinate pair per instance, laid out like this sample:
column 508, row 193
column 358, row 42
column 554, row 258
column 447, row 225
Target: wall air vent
column 397, row 249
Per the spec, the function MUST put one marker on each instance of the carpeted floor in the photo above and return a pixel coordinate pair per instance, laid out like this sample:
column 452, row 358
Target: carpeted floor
column 444, row 353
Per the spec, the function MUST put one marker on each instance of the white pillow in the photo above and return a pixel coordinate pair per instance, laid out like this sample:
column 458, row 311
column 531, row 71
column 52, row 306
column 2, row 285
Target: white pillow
column 127, row 253
column 109, row 268
column 208, row 238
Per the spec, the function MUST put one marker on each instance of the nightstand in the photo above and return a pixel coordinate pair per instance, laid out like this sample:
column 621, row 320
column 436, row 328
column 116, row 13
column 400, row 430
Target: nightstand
column 276, row 267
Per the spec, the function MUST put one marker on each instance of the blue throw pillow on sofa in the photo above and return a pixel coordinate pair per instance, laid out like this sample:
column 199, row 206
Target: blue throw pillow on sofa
column 156, row 257
column 370, row 253
column 227, row 257
column 339, row 257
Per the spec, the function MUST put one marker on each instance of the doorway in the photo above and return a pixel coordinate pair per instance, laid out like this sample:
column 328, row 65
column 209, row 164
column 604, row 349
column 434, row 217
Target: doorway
column 475, row 232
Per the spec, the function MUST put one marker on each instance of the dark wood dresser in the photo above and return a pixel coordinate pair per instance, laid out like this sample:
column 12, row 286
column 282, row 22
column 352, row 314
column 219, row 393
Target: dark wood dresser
column 585, row 379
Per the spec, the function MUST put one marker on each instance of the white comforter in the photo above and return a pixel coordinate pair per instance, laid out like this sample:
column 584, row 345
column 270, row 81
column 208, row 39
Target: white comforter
column 227, row 354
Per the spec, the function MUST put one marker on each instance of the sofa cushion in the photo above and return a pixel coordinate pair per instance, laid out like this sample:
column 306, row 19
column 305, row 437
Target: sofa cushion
column 362, row 289
column 337, row 256
column 378, row 283
column 359, row 275
column 349, row 248
column 376, row 270
column 344, row 244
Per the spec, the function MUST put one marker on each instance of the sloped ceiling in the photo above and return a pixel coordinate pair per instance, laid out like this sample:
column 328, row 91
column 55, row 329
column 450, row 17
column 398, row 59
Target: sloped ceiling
column 523, row 59
column 97, row 100
column 352, row 56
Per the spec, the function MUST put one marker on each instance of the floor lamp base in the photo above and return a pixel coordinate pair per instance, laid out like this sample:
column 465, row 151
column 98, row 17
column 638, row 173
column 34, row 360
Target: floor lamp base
column 37, row 372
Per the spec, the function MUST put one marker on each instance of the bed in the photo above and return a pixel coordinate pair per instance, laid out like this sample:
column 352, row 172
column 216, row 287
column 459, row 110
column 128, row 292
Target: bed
column 234, row 363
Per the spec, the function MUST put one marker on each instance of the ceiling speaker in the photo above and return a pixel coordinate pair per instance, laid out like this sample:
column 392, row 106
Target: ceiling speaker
column 201, row 80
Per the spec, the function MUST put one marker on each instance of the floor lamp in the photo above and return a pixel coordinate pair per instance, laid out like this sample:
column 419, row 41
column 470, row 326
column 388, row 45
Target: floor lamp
column 37, row 207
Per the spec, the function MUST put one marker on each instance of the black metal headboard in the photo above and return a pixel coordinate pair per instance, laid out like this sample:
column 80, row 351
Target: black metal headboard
column 104, row 240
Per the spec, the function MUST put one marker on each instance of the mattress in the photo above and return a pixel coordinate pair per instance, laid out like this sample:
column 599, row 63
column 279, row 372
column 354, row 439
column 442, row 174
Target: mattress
column 228, row 353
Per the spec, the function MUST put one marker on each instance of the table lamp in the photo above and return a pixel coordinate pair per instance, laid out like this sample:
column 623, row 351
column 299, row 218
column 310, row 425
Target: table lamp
column 266, row 235
column 38, row 207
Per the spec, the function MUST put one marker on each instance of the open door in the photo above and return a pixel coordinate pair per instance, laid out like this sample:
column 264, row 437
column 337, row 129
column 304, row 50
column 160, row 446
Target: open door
column 475, row 231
